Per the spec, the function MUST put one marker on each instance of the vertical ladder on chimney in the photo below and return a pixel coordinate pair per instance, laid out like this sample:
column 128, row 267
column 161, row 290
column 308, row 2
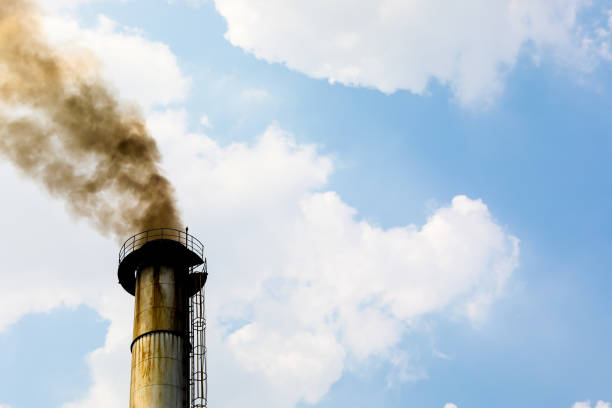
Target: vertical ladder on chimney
column 198, row 386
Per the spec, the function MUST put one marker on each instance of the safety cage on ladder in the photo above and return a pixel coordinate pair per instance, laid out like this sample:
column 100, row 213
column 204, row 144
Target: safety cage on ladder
column 198, row 385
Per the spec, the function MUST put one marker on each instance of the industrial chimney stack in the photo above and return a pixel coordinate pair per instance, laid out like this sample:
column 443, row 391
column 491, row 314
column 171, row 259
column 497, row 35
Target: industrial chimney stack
column 169, row 344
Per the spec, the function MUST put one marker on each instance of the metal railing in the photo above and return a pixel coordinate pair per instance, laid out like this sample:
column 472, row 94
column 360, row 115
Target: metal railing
column 137, row 241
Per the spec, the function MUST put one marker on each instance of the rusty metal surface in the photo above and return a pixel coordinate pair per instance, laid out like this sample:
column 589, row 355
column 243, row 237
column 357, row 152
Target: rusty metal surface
column 160, row 302
column 158, row 372
column 160, row 352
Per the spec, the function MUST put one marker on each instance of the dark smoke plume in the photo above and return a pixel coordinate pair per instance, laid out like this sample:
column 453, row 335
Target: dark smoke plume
column 61, row 126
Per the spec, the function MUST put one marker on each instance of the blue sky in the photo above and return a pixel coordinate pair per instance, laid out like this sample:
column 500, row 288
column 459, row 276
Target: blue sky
column 529, row 136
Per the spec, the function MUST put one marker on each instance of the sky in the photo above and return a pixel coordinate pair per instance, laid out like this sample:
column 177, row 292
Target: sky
column 403, row 203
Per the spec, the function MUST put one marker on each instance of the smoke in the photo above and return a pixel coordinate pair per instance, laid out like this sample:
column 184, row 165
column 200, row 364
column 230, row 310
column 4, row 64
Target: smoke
column 63, row 127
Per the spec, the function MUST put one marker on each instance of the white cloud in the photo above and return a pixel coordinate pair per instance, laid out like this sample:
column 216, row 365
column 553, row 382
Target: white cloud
column 205, row 121
column 56, row 5
column 587, row 404
column 4, row 406
column 141, row 70
column 450, row 405
column 60, row 271
column 295, row 278
column 305, row 362
column 309, row 270
column 392, row 44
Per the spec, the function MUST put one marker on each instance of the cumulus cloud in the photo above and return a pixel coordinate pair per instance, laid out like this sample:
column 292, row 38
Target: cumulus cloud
column 306, row 362
column 296, row 278
column 587, row 404
column 450, row 405
column 392, row 45
column 141, row 70
column 60, row 271
column 312, row 278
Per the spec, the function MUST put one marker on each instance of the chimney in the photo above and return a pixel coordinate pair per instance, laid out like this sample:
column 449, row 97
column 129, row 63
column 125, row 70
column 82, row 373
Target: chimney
column 169, row 345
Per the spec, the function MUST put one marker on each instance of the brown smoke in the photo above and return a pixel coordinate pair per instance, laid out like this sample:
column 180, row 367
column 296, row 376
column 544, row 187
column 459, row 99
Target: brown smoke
column 61, row 126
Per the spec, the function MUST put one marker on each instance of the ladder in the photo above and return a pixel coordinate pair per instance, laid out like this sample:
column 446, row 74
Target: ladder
column 198, row 385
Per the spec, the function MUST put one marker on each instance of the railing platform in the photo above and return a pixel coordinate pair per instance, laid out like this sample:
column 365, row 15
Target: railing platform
column 171, row 244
